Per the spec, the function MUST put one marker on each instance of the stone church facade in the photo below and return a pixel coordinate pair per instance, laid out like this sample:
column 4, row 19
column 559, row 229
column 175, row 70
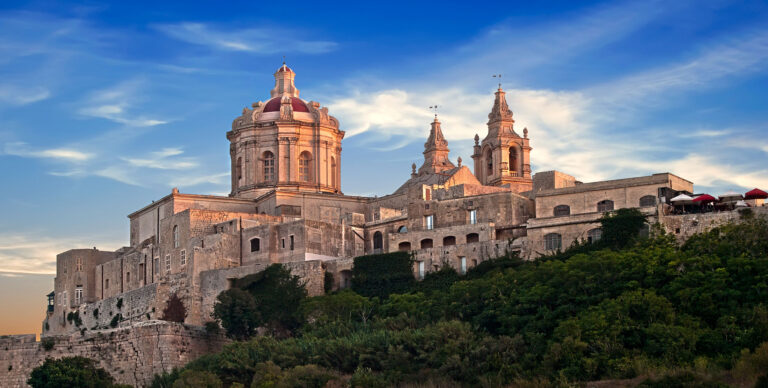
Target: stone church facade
column 286, row 206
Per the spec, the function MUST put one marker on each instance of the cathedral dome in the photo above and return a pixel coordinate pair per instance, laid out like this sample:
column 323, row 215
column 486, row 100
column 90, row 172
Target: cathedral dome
column 297, row 104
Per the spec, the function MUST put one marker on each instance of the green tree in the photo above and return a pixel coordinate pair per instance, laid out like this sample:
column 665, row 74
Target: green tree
column 70, row 372
column 384, row 274
column 236, row 309
column 197, row 379
column 277, row 295
column 621, row 227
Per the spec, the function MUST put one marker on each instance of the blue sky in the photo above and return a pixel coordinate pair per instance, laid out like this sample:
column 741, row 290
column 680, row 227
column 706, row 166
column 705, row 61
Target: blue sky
column 105, row 107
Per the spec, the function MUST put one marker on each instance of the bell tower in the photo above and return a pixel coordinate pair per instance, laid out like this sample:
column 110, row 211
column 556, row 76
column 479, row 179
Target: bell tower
column 503, row 157
column 435, row 151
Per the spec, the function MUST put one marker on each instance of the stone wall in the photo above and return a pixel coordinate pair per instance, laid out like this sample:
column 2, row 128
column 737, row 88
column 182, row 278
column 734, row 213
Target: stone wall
column 686, row 225
column 132, row 355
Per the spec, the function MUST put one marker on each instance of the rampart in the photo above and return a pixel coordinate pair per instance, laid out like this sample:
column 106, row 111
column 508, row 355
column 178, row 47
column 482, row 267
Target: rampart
column 132, row 355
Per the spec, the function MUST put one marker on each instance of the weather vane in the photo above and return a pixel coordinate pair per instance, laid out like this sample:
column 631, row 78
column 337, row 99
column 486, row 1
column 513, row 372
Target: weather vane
column 499, row 77
column 434, row 109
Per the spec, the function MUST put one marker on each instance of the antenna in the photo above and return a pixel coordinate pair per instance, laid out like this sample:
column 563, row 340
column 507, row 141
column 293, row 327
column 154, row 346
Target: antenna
column 283, row 59
column 433, row 108
column 499, row 77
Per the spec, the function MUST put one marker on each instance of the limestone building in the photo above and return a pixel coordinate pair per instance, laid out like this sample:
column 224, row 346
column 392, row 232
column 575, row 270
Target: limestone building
column 286, row 206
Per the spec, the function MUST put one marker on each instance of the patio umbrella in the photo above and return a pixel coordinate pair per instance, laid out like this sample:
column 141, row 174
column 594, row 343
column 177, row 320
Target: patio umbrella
column 681, row 199
column 730, row 196
column 756, row 194
column 705, row 198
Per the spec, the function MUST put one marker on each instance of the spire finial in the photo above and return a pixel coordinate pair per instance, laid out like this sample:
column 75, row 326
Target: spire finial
column 434, row 109
column 499, row 77
column 459, row 160
column 283, row 59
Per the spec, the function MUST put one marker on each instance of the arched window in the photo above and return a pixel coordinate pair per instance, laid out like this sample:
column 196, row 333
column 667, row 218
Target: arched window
column 404, row 246
column 378, row 242
column 239, row 169
column 333, row 171
column 175, row 236
column 553, row 242
column 473, row 238
column 562, row 210
column 269, row 166
column 255, row 244
column 648, row 200
column 426, row 243
column 594, row 235
column 305, row 166
column 605, row 205
column 489, row 163
column 449, row 240
column 402, row 229
column 512, row 159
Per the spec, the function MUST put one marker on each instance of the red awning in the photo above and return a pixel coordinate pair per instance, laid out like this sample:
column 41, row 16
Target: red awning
column 705, row 198
column 756, row 194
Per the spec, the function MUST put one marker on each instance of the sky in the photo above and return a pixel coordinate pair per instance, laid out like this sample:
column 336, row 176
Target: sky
column 105, row 107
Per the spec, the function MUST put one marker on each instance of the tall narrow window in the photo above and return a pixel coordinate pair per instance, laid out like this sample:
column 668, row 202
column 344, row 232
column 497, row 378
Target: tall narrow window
column 183, row 257
column 106, row 284
column 269, row 166
column 127, row 277
column 463, row 265
column 255, row 244
column 79, row 295
column 333, row 171
column 239, row 169
column 305, row 166
column 175, row 236
column 378, row 242
column 473, row 217
column 512, row 159
column 291, row 242
column 79, row 264
column 167, row 263
column 489, row 163
column 421, row 270
column 157, row 265
column 429, row 222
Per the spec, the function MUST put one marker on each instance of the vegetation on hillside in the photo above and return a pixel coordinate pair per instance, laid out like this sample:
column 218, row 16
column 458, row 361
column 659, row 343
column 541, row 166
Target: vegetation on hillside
column 690, row 315
column 71, row 372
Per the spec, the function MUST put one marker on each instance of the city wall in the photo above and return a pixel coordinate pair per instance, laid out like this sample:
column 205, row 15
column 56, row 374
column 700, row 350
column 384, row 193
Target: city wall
column 132, row 355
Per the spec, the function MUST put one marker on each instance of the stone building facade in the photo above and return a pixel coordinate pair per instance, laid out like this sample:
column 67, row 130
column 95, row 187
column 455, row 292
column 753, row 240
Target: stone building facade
column 286, row 207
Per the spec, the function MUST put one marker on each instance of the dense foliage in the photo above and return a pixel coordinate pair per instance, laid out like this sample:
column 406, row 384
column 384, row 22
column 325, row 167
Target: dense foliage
column 269, row 299
column 596, row 311
column 380, row 275
column 70, row 372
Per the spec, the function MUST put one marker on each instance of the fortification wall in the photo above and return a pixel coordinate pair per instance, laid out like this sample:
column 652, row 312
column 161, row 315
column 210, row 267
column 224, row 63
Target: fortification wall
column 132, row 355
column 686, row 225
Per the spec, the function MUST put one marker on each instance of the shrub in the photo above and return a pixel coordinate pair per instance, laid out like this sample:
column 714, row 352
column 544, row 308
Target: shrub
column 119, row 303
column 621, row 227
column 212, row 327
column 174, row 310
column 197, row 379
column 95, row 313
column 277, row 296
column 48, row 343
column 236, row 310
column 115, row 321
column 69, row 372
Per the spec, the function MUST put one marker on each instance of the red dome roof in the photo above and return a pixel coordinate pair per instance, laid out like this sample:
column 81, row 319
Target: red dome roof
column 273, row 105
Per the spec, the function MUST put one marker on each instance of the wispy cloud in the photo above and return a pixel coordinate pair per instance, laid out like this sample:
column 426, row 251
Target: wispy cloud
column 23, row 150
column 17, row 95
column 164, row 160
column 113, row 104
column 36, row 253
column 251, row 40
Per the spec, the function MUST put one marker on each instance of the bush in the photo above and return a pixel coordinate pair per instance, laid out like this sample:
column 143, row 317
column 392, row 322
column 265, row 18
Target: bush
column 70, row 372
column 212, row 327
column 621, row 227
column 277, row 296
column 197, row 379
column 119, row 303
column 236, row 310
column 384, row 274
column 115, row 321
column 174, row 310
column 48, row 343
